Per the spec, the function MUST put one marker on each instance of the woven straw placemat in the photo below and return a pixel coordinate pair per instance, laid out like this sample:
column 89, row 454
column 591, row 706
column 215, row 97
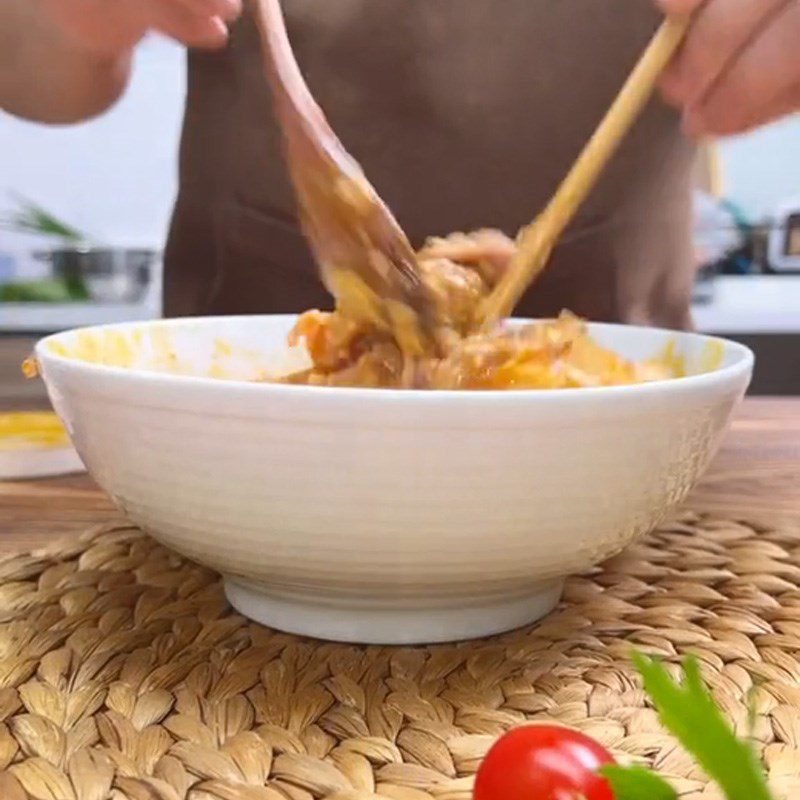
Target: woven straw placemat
column 124, row 674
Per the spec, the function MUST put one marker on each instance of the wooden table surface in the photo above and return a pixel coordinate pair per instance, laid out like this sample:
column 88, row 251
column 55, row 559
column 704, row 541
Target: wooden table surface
column 756, row 476
column 17, row 393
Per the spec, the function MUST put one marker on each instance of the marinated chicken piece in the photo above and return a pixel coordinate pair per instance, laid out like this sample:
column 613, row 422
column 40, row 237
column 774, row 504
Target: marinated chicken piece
column 456, row 272
column 328, row 338
column 486, row 251
column 346, row 354
column 459, row 271
column 455, row 290
column 352, row 347
column 546, row 355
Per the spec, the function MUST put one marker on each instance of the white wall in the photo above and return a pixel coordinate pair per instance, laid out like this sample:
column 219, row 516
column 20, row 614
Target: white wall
column 762, row 168
column 115, row 177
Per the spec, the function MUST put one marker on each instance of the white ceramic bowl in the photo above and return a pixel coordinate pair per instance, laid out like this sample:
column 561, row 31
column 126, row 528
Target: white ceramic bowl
column 374, row 515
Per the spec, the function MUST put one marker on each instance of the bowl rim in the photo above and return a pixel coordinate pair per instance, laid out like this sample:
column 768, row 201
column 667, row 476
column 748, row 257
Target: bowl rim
column 741, row 367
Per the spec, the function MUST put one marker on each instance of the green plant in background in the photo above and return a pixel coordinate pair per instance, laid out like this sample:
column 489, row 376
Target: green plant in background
column 45, row 291
column 30, row 217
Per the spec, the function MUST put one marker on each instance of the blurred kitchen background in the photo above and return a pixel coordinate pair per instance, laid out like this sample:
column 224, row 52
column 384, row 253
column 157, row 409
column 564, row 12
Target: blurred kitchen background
column 112, row 182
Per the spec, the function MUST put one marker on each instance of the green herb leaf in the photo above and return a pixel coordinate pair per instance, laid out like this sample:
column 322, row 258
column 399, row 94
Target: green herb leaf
column 637, row 783
column 32, row 218
column 687, row 710
column 50, row 291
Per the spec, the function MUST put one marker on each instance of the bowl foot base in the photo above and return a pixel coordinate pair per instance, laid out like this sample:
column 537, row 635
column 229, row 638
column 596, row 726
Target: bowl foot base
column 360, row 622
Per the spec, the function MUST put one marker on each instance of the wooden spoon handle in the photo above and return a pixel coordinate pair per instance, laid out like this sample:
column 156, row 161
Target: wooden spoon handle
column 537, row 240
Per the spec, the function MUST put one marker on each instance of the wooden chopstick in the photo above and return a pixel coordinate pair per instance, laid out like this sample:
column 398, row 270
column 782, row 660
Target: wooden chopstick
column 537, row 240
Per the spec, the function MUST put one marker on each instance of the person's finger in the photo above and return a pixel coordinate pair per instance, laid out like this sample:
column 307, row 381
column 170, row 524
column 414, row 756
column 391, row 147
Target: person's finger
column 759, row 80
column 227, row 10
column 171, row 18
column 696, row 124
column 679, row 7
column 786, row 104
column 720, row 29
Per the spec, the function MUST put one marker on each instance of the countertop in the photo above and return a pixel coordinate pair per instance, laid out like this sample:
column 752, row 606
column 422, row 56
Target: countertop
column 756, row 305
column 751, row 305
column 16, row 392
column 37, row 318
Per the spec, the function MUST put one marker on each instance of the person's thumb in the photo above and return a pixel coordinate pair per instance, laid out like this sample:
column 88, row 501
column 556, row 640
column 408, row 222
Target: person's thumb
column 679, row 7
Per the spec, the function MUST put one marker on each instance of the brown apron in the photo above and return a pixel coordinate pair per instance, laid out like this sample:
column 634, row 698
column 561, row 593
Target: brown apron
column 464, row 114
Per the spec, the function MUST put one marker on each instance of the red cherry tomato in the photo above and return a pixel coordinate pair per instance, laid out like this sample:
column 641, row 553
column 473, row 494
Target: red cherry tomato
column 543, row 762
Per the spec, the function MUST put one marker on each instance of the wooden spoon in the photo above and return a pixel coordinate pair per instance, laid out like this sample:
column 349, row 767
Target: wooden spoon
column 367, row 263
column 536, row 242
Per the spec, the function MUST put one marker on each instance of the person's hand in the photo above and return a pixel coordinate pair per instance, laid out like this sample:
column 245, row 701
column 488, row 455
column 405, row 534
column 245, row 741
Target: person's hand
column 739, row 66
column 111, row 27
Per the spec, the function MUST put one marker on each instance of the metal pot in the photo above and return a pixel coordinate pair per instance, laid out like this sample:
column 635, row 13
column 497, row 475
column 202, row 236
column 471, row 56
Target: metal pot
column 704, row 284
column 104, row 274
